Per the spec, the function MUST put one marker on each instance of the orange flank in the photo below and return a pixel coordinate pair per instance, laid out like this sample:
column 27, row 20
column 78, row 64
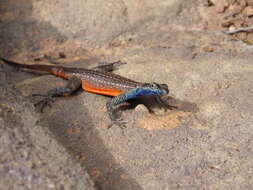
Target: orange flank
column 105, row 91
column 60, row 73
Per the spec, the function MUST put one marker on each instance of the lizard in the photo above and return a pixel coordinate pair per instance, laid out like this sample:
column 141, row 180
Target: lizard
column 98, row 80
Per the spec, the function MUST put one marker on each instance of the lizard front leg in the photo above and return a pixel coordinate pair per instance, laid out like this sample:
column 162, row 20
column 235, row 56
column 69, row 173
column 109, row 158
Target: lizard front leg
column 73, row 84
column 110, row 106
column 163, row 103
column 108, row 67
column 146, row 89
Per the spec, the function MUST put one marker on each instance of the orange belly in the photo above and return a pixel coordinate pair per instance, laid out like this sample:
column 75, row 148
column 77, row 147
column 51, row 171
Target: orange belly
column 60, row 73
column 105, row 91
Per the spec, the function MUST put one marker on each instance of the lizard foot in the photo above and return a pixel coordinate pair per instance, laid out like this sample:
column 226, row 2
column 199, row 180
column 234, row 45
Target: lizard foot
column 164, row 104
column 120, row 123
column 46, row 101
column 170, row 107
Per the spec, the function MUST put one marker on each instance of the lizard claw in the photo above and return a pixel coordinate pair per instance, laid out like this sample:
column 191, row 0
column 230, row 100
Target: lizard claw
column 46, row 101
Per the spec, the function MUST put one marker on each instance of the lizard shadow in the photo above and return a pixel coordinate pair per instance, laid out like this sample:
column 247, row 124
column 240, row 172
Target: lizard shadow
column 150, row 103
column 74, row 128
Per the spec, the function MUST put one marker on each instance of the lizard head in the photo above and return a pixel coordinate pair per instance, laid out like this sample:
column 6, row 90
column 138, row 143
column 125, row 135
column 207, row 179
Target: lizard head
column 154, row 89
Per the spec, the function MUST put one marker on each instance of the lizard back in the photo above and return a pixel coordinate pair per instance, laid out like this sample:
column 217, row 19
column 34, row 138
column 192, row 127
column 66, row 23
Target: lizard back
column 102, row 82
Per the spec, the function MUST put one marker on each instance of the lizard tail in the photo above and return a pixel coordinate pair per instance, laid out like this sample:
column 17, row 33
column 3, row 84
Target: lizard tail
column 45, row 68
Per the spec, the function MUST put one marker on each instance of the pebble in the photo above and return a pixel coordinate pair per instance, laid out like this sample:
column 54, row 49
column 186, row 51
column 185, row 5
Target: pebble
column 231, row 28
column 141, row 109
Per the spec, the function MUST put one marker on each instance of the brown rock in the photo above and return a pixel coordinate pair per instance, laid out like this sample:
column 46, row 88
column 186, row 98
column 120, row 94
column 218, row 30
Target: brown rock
column 221, row 6
column 248, row 11
column 250, row 2
column 250, row 38
column 243, row 3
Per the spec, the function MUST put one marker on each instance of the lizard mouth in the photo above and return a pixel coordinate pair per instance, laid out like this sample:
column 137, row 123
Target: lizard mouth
column 164, row 87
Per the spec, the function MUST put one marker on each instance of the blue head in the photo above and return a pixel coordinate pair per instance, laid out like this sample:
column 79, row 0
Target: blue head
column 150, row 89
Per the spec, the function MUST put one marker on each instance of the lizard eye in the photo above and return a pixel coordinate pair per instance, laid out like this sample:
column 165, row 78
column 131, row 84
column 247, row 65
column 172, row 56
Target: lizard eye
column 151, row 85
column 154, row 85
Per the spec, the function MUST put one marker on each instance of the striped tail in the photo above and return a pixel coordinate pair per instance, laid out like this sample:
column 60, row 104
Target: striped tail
column 45, row 68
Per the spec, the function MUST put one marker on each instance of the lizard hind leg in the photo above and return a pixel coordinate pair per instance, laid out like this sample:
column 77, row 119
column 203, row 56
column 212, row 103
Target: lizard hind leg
column 73, row 84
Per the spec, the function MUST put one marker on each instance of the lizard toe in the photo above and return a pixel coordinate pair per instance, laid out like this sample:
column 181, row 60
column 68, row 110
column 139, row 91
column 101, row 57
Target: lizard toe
column 119, row 122
column 45, row 102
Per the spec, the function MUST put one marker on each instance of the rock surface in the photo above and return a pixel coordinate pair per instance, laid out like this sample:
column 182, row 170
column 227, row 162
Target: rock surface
column 29, row 155
column 204, row 144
